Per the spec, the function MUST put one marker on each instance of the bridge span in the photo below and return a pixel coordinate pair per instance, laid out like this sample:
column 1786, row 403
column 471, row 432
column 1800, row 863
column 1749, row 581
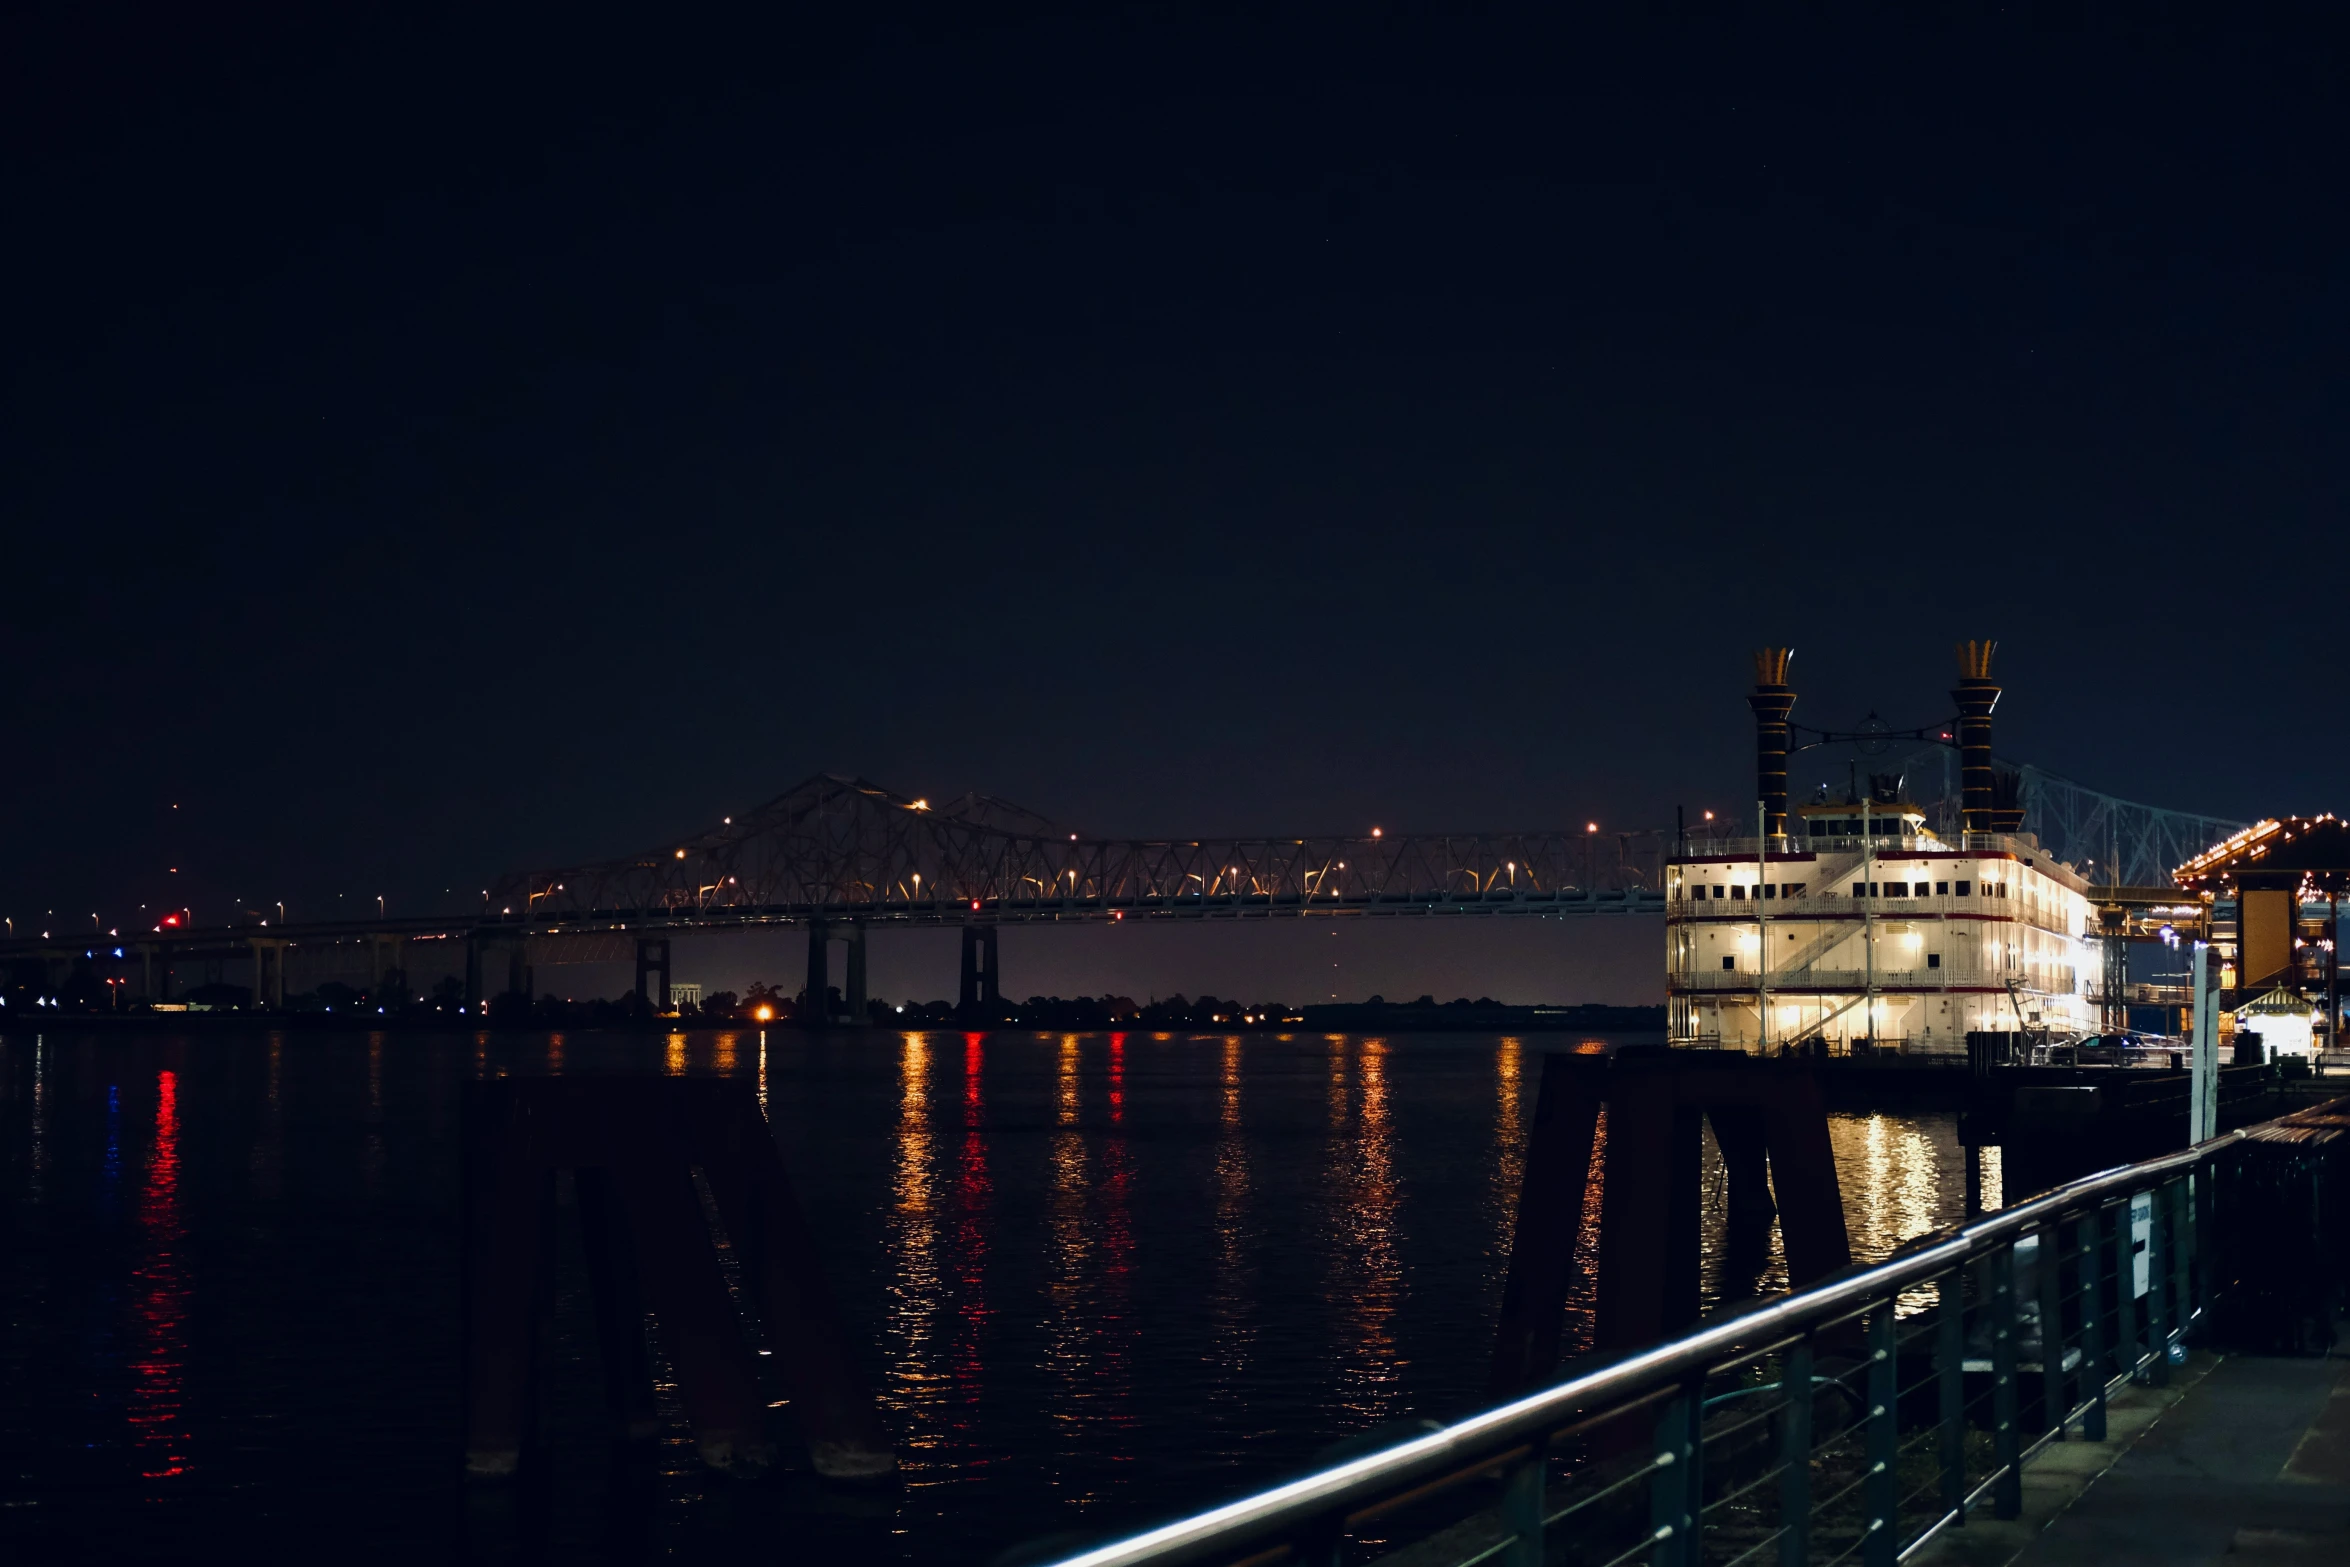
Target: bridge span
column 839, row 856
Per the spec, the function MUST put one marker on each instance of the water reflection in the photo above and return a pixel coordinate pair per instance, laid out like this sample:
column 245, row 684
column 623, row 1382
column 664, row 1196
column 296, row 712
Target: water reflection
column 1509, row 1155
column 40, row 1139
column 1234, row 1338
column 371, row 1147
column 1581, row 1330
column 914, row 1378
column 1112, row 1275
column 973, row 1202
column 1367, row 1277
column 1070, row 1255
column 1113, row 1304
column 269, row 1149
column 1902, row 1177
column 160, row 1302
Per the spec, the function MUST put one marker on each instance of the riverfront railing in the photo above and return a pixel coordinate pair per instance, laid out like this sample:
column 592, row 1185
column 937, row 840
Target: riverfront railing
column 1855, row 1419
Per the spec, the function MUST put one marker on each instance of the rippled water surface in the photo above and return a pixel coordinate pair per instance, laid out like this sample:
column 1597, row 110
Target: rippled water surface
column 1096, row 1278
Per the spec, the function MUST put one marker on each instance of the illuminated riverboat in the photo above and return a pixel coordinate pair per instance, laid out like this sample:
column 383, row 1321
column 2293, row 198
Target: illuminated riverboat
column 1851, row 925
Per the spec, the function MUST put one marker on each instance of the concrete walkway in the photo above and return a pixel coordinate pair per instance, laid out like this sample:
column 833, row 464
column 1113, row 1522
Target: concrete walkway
column 2245, row 1462
column 2252, row 1462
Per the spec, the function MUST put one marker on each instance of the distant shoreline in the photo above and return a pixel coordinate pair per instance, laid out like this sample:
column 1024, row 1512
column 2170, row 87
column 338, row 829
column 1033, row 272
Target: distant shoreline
column 1345, row 1018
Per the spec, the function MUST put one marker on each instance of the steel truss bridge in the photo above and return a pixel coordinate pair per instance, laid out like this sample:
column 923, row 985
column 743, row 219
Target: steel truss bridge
column 842, row 848
column 2128, row 844
column 841, row 852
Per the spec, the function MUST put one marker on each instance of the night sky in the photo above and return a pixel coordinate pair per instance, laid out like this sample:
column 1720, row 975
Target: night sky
column 435, row 445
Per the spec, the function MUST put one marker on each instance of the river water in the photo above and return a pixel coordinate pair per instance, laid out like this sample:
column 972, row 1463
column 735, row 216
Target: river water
column 1096, row 1278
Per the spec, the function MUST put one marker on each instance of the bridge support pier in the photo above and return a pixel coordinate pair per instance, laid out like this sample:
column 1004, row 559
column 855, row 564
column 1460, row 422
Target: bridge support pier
column 817, row 1006
column 855, row 978
column 652, row 956
column 481, row 950
column 269, row 974
column 384, row 964
column 981, row 990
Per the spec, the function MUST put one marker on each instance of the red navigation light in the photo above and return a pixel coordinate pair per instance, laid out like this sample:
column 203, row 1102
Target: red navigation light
column 171, row 919
column 974, row 903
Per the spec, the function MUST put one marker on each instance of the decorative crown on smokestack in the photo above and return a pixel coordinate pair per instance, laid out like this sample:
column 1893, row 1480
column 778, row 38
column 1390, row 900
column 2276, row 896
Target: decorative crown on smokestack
column 1772, row 700
column 1976, row 696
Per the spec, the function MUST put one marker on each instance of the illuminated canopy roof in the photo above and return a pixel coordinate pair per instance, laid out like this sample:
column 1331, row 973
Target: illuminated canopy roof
column 2307, row 854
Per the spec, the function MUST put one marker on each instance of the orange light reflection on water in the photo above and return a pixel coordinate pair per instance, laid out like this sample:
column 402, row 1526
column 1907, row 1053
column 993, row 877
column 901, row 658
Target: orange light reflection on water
column 1367, row 1282
column 1230, row 1349
column 1068, row 1354
column 915, row 1380
column 1509, row 1156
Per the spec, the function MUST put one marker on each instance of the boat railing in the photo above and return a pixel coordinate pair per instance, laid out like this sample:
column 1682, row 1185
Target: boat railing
column 1717, row 847
column 1859, row 1416
column 1844, row 980
column 1812, row 903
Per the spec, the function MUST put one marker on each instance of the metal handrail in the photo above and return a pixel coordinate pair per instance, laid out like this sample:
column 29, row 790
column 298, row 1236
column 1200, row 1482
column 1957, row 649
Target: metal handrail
column 1522, row 1428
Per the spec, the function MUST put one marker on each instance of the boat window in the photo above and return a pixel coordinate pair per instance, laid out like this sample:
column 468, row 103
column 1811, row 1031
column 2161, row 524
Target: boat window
column 1919, row 889
column 1963, row 888
column 1933, row 960
column 1941, row 889
column 1897, row 889
column 1737, row 889
column 1730, row 963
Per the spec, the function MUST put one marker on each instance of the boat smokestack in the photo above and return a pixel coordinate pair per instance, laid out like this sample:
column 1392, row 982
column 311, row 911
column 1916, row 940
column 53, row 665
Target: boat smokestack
column 1976, row 696
column 1772, row 700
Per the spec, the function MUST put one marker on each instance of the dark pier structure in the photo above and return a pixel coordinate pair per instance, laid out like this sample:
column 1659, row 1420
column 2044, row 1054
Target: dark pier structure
column 1772, row 1128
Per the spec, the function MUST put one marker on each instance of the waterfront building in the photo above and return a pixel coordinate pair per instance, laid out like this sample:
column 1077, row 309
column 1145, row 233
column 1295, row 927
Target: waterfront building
column 2283, row 1020
column 1852, row 923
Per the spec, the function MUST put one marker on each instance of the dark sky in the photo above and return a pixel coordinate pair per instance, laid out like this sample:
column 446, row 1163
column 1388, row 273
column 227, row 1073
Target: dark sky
column 436, row 444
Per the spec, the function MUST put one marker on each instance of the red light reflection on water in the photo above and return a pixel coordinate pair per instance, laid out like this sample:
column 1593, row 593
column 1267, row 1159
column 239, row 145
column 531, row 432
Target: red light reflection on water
column 160, row 1301
column 1117, row 1272
column 973, row 1194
